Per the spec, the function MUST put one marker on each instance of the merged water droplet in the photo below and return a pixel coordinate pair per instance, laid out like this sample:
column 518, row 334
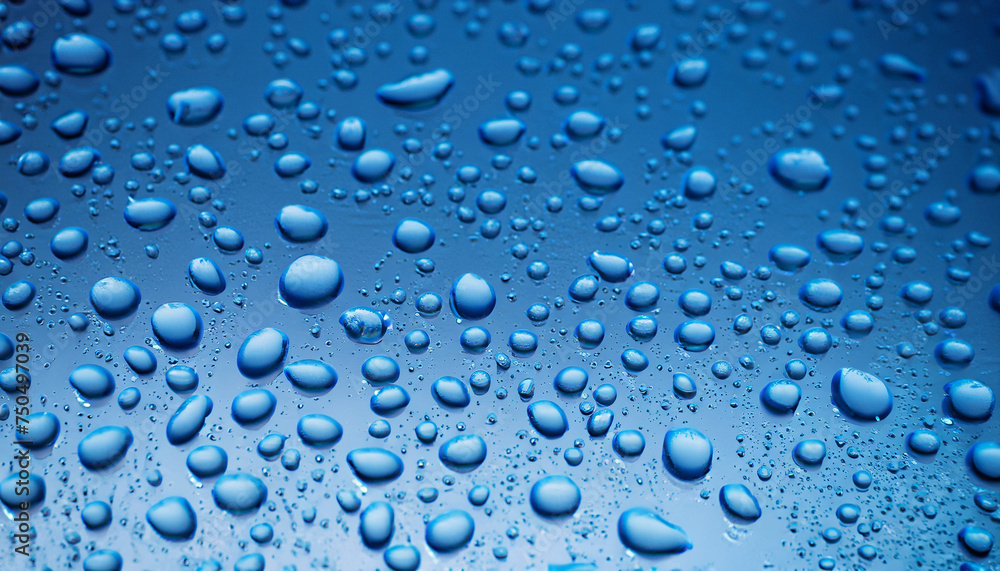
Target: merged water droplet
column 647, row 533
column 801, row 169
column 194, row 106
column 418, row 91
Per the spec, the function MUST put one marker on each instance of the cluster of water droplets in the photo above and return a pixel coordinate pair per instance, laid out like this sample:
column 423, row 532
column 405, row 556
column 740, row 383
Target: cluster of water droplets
column 279, row 292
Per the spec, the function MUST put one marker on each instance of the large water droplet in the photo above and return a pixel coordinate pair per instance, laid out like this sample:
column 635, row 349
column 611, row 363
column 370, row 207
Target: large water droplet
column 463, row 453
column 687, row 453
column 555, row 497
column 173, row 518
column 104, row 447
column 80, row 54
column 311, row 282
column 262, row 353
column 417, row 91
column 450, row 531
column 861, row 395
column 646, row 533
column 800, row 169
column 239, row 493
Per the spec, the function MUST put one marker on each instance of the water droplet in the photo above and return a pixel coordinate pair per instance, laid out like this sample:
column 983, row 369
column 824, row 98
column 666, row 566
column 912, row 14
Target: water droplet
column 194, row 106
column 80, row 54
column 311, row 376
column 646, row 533
column 802, row 169
column 239, row 493
column 450, row 531
column 472, row 297
column 739, row 503
column 114, row 297
column 548, row 419
column 417, row 91
column 262, row 353
column 311, row 282
column 301, row 224
column 104, row 447
column 374, row 465
column 173, row 518
column 149, row 214
column 177, row 326
column 687, row 454
column 463, row 453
